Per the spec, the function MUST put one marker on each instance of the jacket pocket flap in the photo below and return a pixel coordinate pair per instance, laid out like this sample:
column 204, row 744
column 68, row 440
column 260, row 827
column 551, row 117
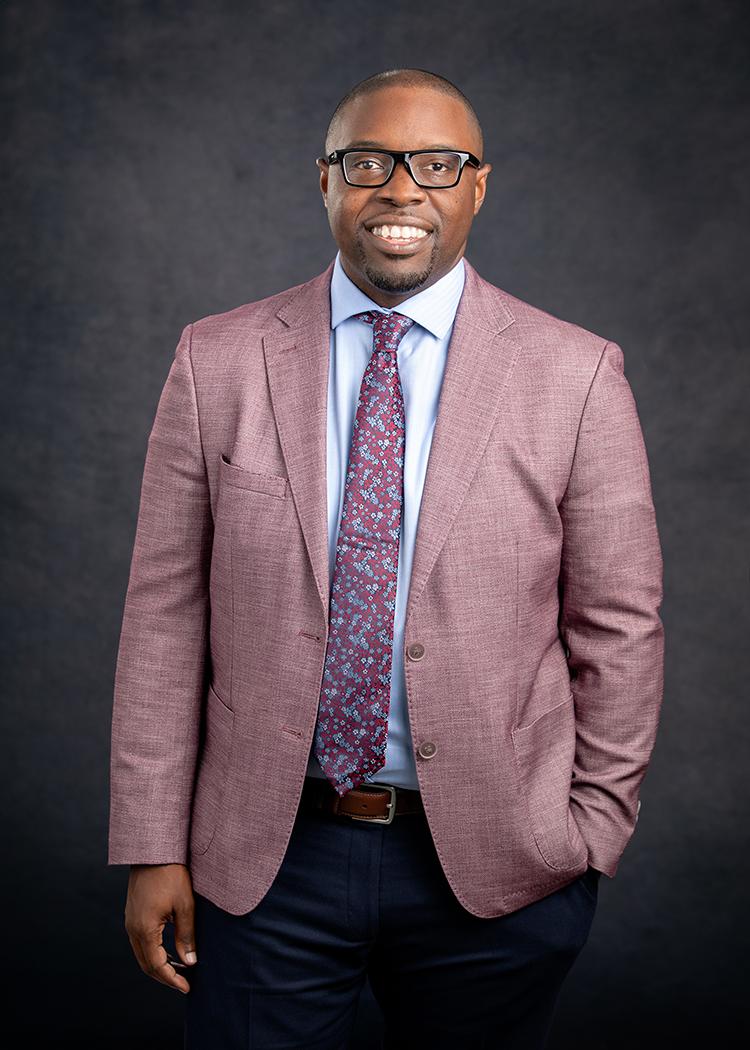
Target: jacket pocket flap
column 240, row 478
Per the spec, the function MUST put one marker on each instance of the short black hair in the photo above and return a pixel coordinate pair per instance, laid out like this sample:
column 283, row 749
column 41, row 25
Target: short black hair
column 401, row 78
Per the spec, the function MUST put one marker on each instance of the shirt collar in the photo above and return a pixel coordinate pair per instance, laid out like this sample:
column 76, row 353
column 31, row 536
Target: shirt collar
column 434, row 308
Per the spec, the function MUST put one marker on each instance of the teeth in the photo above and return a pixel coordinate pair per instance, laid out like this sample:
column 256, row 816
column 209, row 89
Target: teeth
column 400, row 233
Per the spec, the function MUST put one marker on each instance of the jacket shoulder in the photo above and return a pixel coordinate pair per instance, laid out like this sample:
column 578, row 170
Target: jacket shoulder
column 257, row 316
column 544, row 331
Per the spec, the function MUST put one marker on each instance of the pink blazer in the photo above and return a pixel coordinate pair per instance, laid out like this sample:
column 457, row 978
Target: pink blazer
column 533, row 642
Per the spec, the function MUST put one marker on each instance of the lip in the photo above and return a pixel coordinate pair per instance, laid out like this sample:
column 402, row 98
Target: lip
column 401, row 247
column 398, row 220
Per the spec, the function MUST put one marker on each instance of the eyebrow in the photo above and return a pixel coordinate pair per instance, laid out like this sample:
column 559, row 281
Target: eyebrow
column 379, row 145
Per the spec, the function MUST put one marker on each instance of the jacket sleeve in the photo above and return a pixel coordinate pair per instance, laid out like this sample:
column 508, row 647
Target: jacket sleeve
column 161, row 662
column 611, row 591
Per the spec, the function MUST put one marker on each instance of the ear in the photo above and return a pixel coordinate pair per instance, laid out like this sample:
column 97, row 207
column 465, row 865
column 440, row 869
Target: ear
column 480, row 186
column 323, row 180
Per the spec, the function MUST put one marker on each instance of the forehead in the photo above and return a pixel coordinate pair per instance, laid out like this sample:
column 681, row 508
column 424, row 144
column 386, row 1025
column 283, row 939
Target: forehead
column 404, row 118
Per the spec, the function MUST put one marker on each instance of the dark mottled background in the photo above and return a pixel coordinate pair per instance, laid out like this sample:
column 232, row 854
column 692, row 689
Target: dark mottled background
column 160, row 167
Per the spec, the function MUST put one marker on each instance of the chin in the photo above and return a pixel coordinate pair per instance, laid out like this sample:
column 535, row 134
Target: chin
column 397, row 280
column 392, row 282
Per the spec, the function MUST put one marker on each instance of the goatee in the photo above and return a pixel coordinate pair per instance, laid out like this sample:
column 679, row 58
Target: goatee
column 405, row 282
column 398, row 283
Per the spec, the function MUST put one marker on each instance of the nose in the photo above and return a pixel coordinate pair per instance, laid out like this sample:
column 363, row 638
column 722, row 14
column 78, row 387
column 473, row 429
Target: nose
column 401, row 188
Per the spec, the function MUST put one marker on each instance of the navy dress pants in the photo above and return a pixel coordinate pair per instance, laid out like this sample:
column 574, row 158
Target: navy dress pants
column 354, row 900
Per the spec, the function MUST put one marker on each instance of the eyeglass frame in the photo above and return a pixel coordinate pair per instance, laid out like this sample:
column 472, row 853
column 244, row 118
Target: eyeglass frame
column 400, row 157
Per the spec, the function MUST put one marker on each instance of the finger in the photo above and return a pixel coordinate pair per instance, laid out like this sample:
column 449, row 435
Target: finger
column 152, row 957
column 184, row 928
column 166, row 974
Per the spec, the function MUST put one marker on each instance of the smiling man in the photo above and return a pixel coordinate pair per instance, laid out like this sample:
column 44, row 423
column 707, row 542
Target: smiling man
column 391, row 660
column 402, row 222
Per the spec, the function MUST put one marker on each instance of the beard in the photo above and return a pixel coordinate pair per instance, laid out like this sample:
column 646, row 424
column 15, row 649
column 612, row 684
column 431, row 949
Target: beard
column 403, row 282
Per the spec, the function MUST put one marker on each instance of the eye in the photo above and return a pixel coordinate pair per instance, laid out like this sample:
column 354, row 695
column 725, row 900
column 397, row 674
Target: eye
column 367, row 164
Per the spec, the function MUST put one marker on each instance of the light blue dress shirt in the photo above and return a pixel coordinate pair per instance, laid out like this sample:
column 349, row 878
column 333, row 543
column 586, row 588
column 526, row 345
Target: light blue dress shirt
column 421, row 362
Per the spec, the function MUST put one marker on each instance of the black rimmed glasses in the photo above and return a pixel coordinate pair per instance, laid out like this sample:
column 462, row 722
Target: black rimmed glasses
column 431, row 169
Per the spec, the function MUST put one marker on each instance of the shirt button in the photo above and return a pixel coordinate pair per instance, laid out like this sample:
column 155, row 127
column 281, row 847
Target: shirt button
column 415, row 651
column 427, row 749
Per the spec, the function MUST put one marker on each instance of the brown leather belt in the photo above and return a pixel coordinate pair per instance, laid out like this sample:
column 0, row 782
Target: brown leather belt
column 375, row 803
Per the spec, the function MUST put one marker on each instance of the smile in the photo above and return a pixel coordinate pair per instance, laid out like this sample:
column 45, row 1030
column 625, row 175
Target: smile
column 399, row 237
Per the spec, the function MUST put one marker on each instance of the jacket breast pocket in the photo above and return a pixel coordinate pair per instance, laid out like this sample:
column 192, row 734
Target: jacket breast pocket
column 544, row 752
column 230, row 474
column 213, row 769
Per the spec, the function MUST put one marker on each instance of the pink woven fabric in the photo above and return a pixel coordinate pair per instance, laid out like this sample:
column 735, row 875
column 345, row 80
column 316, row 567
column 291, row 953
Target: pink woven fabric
column 533, row 650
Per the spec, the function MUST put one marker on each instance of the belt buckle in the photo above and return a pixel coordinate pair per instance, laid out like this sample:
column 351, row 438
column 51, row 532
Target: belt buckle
column 391, row 807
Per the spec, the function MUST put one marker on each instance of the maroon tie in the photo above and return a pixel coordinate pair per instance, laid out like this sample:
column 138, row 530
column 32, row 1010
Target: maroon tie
column 352, row 726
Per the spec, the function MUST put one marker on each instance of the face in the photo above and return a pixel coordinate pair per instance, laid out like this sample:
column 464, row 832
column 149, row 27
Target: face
column 402, row 118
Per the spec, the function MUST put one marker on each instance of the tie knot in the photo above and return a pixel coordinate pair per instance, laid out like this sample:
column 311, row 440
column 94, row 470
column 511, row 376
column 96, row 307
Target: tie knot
column 388, row 329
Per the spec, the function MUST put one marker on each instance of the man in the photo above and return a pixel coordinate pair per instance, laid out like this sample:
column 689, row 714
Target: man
column 391, row 660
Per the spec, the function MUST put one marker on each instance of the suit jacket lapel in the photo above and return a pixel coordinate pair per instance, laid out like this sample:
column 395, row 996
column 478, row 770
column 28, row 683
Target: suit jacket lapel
column 481, row 358
column 297, row 362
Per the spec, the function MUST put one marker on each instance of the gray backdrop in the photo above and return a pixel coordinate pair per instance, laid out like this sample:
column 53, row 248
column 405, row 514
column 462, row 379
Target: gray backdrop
column 160, row 167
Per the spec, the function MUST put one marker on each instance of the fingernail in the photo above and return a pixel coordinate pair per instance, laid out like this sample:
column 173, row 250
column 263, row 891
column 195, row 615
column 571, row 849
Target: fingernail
column 191, row 957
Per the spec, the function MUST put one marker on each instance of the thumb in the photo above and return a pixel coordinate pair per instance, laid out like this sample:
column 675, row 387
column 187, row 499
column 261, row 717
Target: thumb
column 184, row 929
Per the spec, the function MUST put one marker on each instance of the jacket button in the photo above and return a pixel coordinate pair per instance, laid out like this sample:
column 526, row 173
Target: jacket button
column 415, row 651
column 427, row 749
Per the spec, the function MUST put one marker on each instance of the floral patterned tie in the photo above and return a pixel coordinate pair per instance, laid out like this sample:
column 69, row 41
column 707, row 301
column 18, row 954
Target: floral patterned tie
column 352, row 726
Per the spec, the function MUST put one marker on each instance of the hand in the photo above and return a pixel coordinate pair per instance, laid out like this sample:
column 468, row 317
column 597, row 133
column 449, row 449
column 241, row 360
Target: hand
column 157, row 894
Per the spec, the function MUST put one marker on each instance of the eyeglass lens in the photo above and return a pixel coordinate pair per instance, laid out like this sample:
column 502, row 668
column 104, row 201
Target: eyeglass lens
column 368, row 168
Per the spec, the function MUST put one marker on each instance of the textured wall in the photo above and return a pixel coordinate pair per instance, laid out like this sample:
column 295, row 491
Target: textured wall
column 160, row 167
